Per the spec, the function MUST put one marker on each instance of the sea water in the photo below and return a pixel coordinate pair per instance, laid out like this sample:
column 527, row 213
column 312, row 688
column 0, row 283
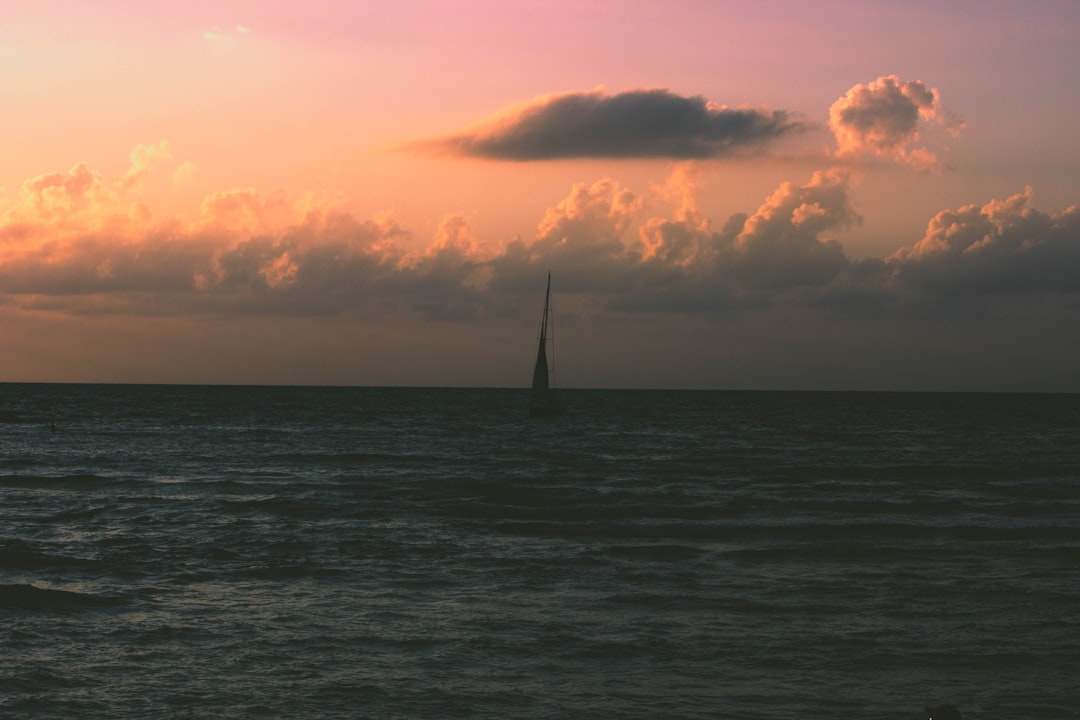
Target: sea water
column 239, row 552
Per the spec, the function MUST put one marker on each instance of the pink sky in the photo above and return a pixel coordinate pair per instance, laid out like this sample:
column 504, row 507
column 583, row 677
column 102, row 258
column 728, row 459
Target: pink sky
column 767, row 194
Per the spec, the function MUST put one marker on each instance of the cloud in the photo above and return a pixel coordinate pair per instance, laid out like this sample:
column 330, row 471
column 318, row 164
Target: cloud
column 765, row 289
column 82, row 199
column 779, row 253
column 1001, row 247
column 881, row 119
column 58, row 194
column 143, row 159
column 781, row 245
column 184, row 173
column 770, row 286
column 74, row 243
column 217, row 34
column 652, row 123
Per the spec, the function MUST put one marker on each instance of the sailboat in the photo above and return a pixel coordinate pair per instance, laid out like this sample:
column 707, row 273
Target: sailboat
column 544, row 402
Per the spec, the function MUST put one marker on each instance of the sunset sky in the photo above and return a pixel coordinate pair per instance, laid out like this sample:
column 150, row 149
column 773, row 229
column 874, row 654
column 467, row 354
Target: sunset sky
column 744, row 195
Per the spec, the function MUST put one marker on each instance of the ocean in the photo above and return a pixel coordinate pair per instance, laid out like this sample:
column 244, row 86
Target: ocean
column 253, row 552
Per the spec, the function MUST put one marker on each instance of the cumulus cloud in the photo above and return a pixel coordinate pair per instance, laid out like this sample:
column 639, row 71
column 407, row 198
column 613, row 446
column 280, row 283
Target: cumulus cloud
column 1003, row 246
column 782, row 246
column 779, row 253
column 881, row 119
column 81, row 199
column 58, row 194
column 73, row 243
column 184, row 173
column 653, row 123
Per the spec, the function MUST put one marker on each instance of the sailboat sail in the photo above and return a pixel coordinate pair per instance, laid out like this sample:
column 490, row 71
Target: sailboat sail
column 540, row 382
column 541, row 372
column 543, row 400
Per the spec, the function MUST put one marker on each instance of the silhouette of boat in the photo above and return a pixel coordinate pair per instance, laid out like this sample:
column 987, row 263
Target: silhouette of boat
column 544, row 401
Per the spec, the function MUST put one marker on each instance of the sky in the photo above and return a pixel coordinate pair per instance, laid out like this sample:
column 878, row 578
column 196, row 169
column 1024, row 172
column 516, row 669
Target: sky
column 760, row 194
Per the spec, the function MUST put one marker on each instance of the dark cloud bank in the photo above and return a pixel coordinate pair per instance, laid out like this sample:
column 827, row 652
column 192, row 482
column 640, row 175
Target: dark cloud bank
column 633, row 124
column 598, row 242
column 988, row 298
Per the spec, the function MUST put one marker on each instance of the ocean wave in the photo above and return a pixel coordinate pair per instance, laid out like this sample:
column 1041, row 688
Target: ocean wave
column 700, row 555
column 359, row 458
column 291, row 572
column 18, row 555
column 31, row 597
column 65, row 482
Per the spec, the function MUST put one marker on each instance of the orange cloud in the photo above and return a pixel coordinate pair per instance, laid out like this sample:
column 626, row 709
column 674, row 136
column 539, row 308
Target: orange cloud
column 881, row 119
column 73, row 244
column 58, row 194
column 184, row 173
column 143, row 159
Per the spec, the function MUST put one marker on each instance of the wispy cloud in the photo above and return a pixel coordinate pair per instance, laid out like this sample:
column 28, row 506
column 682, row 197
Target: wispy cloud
column 143, row 159
column 218, row 34
column 653, row 123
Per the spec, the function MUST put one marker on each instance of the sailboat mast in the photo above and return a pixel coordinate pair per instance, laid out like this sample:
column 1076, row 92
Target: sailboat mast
column 549, row 326
column 547, row 307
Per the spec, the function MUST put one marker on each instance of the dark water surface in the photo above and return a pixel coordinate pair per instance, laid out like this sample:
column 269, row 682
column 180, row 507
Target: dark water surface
column 215, row 552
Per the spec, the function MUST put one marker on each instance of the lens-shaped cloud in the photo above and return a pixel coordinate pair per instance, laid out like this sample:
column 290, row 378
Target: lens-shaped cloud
column 652, row 123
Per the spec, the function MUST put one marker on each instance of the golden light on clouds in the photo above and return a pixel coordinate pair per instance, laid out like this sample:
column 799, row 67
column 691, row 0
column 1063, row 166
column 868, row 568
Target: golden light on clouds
column 353, row 171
